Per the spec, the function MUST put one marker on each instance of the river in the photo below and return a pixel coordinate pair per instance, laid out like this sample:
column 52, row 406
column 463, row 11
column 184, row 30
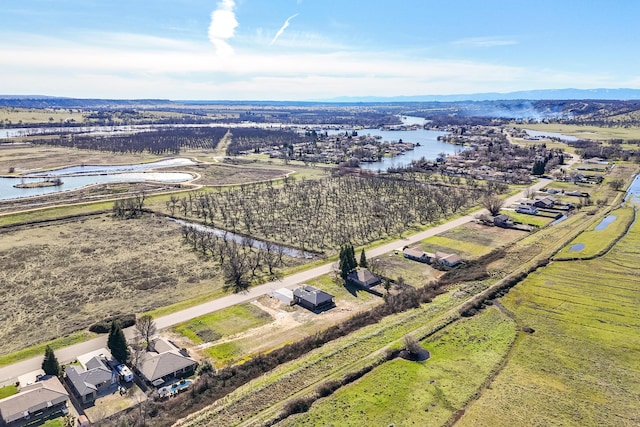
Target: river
column 633, row 193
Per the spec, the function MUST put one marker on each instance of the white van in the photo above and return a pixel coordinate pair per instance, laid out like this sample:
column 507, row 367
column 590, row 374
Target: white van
column 125, row 373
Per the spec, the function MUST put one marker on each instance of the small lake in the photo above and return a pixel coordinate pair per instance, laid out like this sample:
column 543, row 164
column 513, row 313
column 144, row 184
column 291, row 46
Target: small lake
column 232, row 237
column 577, row 247
column 542, row 134
column 605, row 222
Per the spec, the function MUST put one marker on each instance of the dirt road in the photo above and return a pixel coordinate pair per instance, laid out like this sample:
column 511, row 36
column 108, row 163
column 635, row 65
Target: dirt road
column 9, row 374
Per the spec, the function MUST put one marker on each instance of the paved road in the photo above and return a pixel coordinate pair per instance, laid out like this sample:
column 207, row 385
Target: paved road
column 9, row 374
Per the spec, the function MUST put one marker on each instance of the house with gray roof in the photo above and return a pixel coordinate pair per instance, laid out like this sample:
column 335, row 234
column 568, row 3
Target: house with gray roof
column 312, row 298
column 92, row 377
column 417, row 254
column 363, row 277
column 164, row 362
column 39, row 400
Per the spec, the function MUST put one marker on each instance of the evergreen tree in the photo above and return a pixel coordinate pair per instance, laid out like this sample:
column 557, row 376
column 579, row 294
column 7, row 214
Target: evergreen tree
column 50, row 364
column 351, row 254
column 363, row 260
column 117, row 343
column 347, row 260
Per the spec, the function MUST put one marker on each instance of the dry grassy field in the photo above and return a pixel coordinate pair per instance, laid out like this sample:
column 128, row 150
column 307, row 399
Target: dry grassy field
column 62, row 277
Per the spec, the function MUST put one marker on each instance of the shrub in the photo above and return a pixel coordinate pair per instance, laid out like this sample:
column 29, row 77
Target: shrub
column 327, row 388
column 103, row 326
column 297, row 406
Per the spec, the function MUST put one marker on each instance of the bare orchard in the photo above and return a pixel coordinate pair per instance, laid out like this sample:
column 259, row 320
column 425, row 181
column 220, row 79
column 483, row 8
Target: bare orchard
column 321, row 215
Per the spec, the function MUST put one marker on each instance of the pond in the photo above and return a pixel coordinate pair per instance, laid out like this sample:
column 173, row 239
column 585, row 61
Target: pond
column 103, row 169
column 8, row 191
column 577, row 247
column 605, row 222
column 255, row 243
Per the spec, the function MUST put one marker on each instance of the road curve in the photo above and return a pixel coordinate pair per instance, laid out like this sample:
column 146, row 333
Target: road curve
column 10, row 373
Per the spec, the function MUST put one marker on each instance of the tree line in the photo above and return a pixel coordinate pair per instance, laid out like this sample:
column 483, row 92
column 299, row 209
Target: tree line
column 158, row 141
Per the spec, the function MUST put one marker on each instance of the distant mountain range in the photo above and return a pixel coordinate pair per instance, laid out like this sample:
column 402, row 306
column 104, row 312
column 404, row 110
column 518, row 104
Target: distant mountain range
column 42, row 101
column 532, row 95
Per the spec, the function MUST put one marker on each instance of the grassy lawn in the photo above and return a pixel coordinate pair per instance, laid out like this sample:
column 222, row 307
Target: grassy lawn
column 580, row 367
column 223, row 323
column 587, row 132
column 404, row 393
column 596, row 241
column 471, row 249
column 7, row 391
column 539, row 221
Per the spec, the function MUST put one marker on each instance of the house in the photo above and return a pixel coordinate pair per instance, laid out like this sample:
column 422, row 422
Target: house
column 93, row 377
column 449, row 260
column 312, row 298
column 39, row 400
column 502, row 220
column 417, row 255
column 544, row 202
column 364, row 278
column 164, row 362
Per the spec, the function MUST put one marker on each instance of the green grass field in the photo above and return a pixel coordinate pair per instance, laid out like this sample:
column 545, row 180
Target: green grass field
column 404, row 393
column 223, row 323
column 7, row 391
column 538, row 221
column 580, row 367
column 597, row 241
column 587, row 132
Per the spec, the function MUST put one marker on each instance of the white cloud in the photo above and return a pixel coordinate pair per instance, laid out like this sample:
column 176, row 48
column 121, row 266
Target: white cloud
column 222, row 27
column 134, row 66
column 281, row 30
column 484, row 42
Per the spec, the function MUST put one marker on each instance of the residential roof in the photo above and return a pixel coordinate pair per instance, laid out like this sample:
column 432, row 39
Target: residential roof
column 312, row 295
column 85, row 381
column 451, row 258
column 414, row 252
column 164, row 360
column 364, row 277
column 33, row 398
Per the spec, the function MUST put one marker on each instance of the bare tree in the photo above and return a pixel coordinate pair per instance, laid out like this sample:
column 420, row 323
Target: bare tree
column 145, row 329
column 492, row 203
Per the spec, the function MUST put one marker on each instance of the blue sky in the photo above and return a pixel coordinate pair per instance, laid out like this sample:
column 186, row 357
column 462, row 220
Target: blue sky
column 313, row 49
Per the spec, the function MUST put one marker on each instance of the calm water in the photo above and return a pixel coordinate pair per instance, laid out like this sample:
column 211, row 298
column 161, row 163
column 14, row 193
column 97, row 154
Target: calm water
column 430, row 148
column 605, row 222
column 633, row 193
column 232, row 237
column 102, row 169
column 543, row 134
column 577, row 247
column 8, row 191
